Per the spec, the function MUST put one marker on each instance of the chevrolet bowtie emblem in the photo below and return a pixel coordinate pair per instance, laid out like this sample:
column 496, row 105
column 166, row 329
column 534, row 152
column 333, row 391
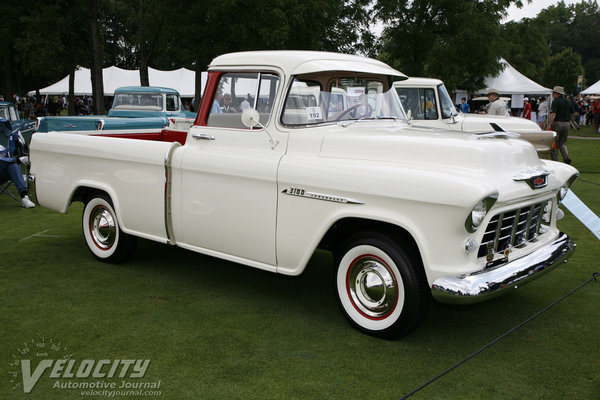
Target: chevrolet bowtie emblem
column 535, row 178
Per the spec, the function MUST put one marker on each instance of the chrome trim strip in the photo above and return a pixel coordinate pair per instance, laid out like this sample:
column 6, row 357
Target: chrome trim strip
column 498, row 134
column 319, row 196
column 167, row 198
column 492, row 282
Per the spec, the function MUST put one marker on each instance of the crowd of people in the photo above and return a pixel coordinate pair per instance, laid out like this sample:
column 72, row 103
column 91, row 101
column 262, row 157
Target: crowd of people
column 584, row 110
column 563, row 113
column 31, row 107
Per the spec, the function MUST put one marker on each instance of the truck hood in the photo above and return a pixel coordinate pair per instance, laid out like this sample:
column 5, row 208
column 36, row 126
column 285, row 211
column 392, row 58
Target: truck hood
column 483, row 122
column 372, row 140
column 492, row 162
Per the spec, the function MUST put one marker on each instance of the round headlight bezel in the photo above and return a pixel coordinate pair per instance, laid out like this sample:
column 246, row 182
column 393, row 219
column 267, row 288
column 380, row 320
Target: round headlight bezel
column 479, row 212
column 564, row 189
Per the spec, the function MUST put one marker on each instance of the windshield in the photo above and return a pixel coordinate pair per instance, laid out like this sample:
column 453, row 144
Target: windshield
column 313, row 100
column 446, row 103
column 9, row 113
column 137, row 101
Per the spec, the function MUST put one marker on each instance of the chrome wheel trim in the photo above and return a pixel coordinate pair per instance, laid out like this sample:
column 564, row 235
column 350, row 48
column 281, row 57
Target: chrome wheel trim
column 372, row 287
column 103, row 227
column 359, row 318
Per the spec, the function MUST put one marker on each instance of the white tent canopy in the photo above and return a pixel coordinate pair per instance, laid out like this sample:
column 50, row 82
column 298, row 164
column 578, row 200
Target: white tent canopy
column 594, row 89
column 183, row 80
column 511, row 81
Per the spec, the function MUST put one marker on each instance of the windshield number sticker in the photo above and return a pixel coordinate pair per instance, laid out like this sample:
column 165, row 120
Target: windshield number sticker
column 313, row 113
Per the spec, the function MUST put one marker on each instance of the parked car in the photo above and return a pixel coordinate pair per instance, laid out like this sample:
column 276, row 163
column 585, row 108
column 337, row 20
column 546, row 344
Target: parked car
column 407, row 211
column 428, row 103
column 134, row 108
column 9, row 112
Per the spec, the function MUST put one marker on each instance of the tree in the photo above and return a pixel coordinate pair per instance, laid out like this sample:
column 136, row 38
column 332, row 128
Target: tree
column 96, row 58
column 586, row 37
column 9, row 69
column 563, row 70
column 458, row 42
column 205, row 30
column 525, row 47
column 552, row 47
column 53, row 41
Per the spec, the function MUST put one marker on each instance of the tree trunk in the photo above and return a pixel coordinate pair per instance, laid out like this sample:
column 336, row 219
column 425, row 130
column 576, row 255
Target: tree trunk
column 144, row 77
column 72, row 91
column 8, row 84
column 201, row 65
column 96, row 55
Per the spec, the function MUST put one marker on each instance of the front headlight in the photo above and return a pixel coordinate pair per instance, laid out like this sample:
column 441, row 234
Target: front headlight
column 562, row 193
column 479, row 212
column 564, row 189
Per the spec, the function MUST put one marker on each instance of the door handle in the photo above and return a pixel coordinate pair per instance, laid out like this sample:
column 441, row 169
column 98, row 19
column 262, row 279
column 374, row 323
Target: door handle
column 202, row 136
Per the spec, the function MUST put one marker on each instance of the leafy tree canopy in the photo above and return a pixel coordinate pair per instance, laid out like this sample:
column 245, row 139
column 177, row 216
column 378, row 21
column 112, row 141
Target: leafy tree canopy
column 456, row 41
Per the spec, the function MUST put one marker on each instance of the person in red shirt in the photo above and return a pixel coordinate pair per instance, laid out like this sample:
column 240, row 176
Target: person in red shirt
column 596, row 115
column 526, row 109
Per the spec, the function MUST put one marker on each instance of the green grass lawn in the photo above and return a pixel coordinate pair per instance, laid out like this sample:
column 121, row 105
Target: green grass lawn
column 217, row 330
column 584, row 131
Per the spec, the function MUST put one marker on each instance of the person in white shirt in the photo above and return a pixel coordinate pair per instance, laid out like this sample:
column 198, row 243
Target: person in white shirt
column 542, row 113
column 497, row 105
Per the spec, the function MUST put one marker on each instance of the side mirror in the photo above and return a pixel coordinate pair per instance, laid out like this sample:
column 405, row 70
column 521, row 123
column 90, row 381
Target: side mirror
column 409, row 114
column 251, row 118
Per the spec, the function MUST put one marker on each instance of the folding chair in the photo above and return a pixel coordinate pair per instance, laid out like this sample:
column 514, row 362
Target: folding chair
column 5, row 189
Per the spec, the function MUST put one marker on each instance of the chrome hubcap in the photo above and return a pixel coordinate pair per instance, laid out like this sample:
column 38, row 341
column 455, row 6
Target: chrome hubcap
column 103, row 228
column 372, row 287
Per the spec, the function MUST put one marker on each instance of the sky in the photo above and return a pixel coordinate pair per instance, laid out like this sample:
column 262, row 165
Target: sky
column 530, row 10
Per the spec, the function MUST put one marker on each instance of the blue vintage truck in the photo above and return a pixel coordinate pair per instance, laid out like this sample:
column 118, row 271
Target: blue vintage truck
column 134, row 107
column 9, row 112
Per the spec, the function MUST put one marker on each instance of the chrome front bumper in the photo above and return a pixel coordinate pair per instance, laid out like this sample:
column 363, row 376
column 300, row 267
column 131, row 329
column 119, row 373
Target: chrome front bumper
column 492, row 282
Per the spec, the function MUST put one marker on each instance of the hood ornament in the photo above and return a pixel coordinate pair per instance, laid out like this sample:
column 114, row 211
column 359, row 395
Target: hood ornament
column 535, row 178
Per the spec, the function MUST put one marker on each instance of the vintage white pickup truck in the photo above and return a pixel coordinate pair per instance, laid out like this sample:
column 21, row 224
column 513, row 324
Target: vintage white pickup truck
column 407, row 212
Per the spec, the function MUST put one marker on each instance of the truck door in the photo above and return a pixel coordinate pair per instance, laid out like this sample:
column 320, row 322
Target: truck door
column 228, row 174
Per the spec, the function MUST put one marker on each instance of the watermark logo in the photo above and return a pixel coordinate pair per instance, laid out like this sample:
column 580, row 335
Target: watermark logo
column 104, row 377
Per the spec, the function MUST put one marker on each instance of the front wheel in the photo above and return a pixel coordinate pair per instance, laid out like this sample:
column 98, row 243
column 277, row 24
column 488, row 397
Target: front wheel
column 102, row 232
column 381, row 290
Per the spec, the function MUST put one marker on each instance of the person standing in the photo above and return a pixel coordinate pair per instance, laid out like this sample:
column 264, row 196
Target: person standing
column 216, row 106
column 464, row 107
column 542, row 113
column 526, row 108
column 497, row 105
column 560, row 117
column 596, row 115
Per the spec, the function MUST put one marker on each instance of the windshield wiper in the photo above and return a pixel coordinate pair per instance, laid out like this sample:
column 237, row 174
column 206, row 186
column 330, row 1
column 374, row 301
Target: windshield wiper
column 389, row 117
column 346, row 123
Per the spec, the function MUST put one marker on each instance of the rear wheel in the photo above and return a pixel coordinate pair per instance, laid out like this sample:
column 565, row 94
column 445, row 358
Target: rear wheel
column 381, row 289
column 102, row 232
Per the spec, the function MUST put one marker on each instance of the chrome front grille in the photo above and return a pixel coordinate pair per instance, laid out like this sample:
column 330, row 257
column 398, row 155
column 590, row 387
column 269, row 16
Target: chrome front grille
column 514, row 228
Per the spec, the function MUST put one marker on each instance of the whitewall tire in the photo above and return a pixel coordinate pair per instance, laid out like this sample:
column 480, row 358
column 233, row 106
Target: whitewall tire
column 380, row 289
column 102, row 232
